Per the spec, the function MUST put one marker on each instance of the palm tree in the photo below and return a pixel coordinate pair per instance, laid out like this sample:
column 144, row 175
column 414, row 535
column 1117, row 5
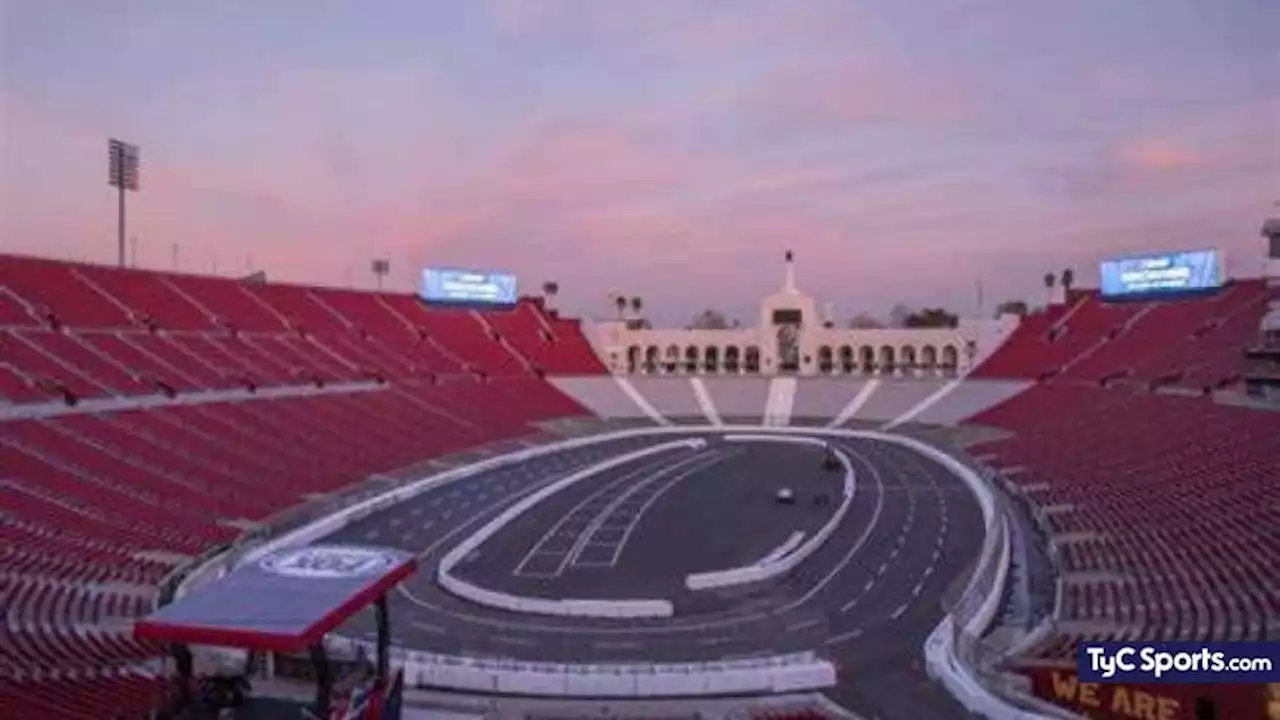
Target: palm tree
column 1068, row 279
column 637, row 305
column 621, row 302
column 1050, row 280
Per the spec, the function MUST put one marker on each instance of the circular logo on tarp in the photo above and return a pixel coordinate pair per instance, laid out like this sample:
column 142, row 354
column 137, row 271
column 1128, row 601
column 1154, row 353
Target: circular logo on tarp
column 328, row 562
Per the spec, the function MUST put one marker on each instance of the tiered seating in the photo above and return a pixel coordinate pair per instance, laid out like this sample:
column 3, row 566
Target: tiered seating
column 121, row 695
column 574, row 354
column 90, row 331
column 538, row 338
column 12, row 311
column 149, row 297
column 1037, row 353
column 468, row 339
column 380, row 338
column 1022, row 354
column 97, row 506
column 1163, row 507
column 1193, row 342
column 229, row 302
column 57, row 288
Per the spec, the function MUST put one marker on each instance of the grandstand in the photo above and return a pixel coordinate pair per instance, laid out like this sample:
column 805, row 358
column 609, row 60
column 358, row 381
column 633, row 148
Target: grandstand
column 150, row 420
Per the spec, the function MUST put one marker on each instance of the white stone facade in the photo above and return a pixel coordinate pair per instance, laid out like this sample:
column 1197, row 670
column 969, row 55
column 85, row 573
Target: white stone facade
column 791, row 339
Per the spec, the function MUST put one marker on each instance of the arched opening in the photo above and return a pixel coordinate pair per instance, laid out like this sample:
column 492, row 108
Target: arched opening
column 711, row 359
column 826, row 359
column 691, row 359
column 867, row 359
column 950, row 359
column 929, row 357
column 732, row 359
column 847, row 363
column 753, row 359
column 672, row 359
column 633, row 358
column 907, row 357
column 887, row 360
column 651, row 359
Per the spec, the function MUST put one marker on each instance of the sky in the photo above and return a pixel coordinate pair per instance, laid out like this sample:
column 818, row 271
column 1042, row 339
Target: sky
column 674, row 150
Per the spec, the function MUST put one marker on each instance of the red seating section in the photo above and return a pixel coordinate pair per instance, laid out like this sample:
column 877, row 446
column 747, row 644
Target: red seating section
column 96, row 507
column 1162, row 506
column 120, row 695
column 98, row 331
column 1191, row 342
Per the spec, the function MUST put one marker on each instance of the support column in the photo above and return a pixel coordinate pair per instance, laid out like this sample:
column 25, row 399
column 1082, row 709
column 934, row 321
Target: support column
column 383, row 620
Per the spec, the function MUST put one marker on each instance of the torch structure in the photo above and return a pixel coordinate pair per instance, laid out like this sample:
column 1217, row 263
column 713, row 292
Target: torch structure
column 122, row 175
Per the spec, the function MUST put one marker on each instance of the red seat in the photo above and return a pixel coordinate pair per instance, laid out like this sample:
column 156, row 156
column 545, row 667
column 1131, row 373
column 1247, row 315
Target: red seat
column 121, row 496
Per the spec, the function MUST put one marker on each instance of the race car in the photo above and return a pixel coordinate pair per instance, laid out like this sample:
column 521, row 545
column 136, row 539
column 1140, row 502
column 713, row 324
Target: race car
column 785, row 496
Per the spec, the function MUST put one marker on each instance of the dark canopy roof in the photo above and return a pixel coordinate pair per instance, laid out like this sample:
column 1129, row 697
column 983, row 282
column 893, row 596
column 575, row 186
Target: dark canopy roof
column 285, row 601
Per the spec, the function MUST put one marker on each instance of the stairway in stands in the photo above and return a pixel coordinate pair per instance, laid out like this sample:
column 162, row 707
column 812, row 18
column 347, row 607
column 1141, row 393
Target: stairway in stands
column 780, row 401
column 147, row 417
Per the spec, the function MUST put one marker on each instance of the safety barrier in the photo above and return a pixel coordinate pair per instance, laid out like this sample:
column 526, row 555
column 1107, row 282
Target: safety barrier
column 940, row 652
column 548, row 606
column 796, row 672
column 766, row 570
column 793, row 540
column 978, row 604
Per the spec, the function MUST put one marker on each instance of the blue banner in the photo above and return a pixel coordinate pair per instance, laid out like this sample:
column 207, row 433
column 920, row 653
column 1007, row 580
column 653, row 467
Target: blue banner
column 1178, row 662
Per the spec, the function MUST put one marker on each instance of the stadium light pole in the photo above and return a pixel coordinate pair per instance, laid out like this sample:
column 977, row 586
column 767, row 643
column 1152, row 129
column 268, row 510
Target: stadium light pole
column 122, row 174
column 380, row 268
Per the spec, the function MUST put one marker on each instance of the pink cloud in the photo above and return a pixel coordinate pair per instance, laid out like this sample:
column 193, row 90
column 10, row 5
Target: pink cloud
column 1158, row 155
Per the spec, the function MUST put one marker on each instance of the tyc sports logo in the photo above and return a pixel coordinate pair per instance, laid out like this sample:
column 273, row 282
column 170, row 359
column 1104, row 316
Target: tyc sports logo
column 1178, row 662
column 327, row 562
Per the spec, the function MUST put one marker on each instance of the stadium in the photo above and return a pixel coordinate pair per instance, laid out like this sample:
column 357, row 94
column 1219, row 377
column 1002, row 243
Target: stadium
column 477, row 507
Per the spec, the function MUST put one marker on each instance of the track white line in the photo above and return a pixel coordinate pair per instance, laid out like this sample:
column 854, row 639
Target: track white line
column 842, row 637
column 862, row 539
column 797, row 627
column 568, row 516
column 584, row 535
column 635, row 519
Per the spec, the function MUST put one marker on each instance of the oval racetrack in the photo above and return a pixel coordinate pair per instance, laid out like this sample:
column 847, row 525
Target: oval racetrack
column 867, row 599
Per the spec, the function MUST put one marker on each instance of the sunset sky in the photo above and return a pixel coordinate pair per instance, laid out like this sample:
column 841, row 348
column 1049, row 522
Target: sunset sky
column 902, row 148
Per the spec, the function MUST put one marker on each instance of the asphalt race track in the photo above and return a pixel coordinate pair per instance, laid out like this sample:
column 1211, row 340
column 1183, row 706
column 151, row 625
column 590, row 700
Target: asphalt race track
column 867, row 599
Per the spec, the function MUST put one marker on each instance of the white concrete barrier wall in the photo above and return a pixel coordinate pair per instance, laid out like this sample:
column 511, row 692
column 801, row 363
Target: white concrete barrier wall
column 940, row 653
column 793, row 541
column 768, row 570
column 795, row 672
column 942, row 661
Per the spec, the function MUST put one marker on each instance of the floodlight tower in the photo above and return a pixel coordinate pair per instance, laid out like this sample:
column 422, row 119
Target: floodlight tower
column 380, row 268
column 123, row 175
